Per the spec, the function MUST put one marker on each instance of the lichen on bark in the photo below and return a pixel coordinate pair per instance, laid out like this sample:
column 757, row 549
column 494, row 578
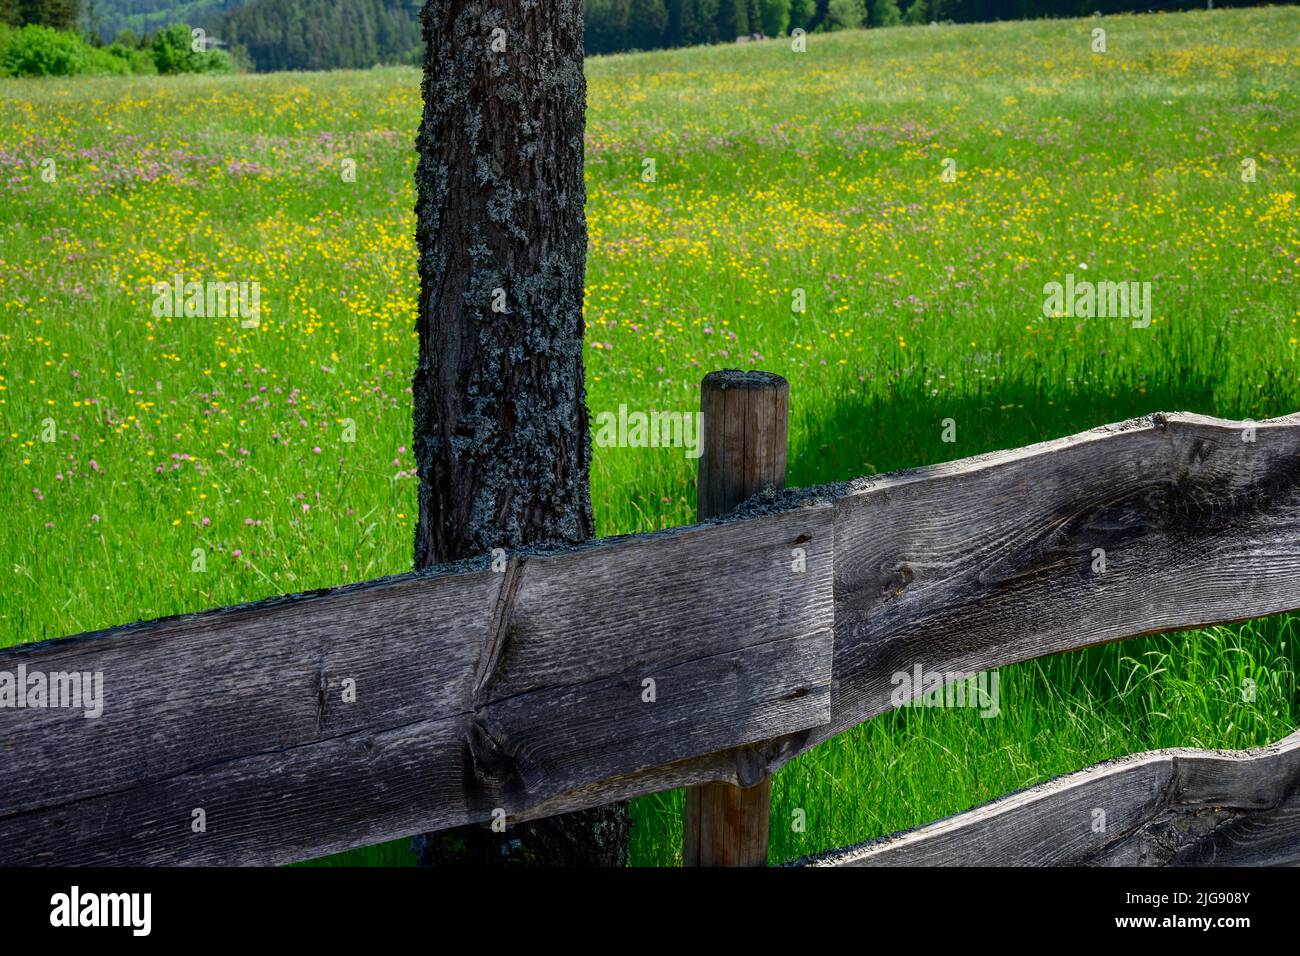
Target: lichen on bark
column 501, row 442
column 501, row 438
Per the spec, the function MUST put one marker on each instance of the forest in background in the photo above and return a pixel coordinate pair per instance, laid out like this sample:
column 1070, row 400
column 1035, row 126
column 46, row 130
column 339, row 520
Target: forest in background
column 268, row 35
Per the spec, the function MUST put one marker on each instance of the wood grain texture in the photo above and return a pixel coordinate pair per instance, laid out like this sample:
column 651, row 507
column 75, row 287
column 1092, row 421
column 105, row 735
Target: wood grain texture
column 726, row 825
column 986, row 561
column 746, row 415
column 470, row 699
column 474, row 691
column 990, row 562
column 1166, row 808
column 968, row 566
column 746, row 418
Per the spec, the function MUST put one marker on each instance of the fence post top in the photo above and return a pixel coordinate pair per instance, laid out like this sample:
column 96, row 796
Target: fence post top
column 744, row 378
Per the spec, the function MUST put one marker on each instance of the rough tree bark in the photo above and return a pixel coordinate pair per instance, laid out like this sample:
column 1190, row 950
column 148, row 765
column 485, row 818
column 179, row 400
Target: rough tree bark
column 501, row 436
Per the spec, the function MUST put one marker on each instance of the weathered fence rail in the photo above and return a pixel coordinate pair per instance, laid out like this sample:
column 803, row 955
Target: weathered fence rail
column 1166, row 808
column 474, row 690
column 525, row 689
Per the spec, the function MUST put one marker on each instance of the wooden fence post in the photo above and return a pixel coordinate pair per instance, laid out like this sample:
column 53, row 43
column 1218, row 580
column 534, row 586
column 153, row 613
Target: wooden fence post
column 746, row 415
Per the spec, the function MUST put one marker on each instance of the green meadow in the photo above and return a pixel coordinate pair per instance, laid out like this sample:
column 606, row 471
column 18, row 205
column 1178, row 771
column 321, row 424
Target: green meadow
column 875, row 218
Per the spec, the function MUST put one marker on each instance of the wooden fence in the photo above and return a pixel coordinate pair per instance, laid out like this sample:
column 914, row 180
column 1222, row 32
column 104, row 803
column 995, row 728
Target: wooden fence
column 1167, row 808
column 706, row 655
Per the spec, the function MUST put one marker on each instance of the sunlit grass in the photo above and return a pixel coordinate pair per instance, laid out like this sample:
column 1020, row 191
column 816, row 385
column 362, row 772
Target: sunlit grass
column 774, row 172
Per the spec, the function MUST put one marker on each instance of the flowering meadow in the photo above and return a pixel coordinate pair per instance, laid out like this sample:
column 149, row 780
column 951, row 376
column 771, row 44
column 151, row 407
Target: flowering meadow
column 875, row 218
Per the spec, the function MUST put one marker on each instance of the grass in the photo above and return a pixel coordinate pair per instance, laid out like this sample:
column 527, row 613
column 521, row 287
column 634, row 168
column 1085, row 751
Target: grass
column 774, row 172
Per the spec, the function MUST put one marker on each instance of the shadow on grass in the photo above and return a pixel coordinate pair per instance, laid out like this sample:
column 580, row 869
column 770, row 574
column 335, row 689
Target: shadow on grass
column 1071, row 710
column 902, row 423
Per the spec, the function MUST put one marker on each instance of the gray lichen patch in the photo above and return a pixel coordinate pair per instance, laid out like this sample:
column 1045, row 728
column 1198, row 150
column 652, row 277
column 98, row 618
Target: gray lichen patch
column 501, row 436
column 501, row 441
column 744, row 379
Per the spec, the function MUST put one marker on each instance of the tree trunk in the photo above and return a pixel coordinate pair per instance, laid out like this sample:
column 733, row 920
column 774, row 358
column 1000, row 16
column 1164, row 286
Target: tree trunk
column 501, row 437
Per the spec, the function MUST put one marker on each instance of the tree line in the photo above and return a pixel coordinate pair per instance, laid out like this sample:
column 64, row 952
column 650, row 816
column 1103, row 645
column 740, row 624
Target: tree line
column 321, row 34
column 261, row 34
column 55, row 14
column 614, row 26
column 51, row 38
column 343, row 34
